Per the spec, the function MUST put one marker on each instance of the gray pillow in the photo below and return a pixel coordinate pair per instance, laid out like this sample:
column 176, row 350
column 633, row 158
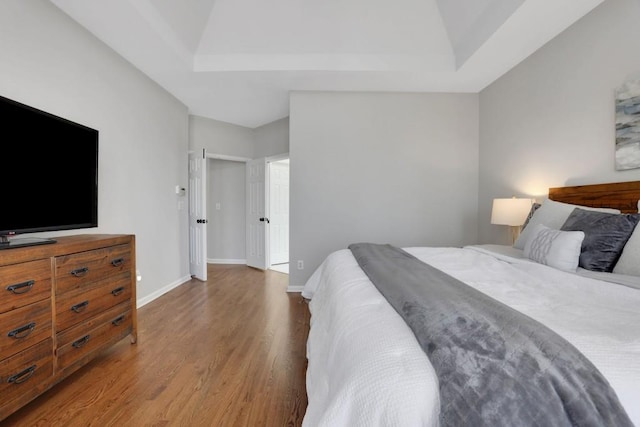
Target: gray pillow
column 605, row 236
column 552, row 214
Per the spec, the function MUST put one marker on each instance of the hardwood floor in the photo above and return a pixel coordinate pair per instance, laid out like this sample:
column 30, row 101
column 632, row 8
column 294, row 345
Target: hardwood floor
column 226, row 352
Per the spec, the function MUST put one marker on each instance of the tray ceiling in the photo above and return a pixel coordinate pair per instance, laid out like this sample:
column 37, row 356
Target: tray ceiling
column 237, row 60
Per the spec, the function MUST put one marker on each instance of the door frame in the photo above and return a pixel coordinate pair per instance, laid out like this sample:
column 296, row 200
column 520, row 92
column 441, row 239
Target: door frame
column 266, row 247
column 267, row 199
column 201, row 196
column 225, row 157
column 257, row 222
column 268, row 160
column 215, row 156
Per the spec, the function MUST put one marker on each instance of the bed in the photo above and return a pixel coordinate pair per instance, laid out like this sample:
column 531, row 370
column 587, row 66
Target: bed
column 368, row 366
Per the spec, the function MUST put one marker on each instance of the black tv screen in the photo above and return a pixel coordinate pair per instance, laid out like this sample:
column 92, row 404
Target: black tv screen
column 48, row 171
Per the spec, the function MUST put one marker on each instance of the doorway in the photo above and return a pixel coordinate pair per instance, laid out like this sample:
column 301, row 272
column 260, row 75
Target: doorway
column 226, row 211
column 258, row 241
column 279, row 215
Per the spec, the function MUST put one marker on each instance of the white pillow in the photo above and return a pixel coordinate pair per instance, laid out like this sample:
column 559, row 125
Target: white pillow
column 629, row 261
column 555, row 248
column 552, row 214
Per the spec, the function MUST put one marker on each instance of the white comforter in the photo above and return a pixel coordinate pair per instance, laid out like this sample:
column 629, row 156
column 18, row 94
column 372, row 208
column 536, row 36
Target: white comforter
column 367, row 369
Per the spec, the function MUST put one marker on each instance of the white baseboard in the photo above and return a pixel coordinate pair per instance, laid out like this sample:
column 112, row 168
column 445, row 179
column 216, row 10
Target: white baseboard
column 157, row 294
column 226, row 261
column 160, row 292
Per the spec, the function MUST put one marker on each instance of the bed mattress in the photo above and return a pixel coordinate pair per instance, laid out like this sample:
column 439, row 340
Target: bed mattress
column 366, row 367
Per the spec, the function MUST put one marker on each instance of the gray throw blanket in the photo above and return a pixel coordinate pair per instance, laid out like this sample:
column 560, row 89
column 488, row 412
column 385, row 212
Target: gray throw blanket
column 495, row 365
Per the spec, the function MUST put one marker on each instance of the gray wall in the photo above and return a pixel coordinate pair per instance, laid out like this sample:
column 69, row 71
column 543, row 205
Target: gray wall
column 226, row 180
column 386, row 168
column 226, row 228
column 233, row 140
column 272, row 139
column 550, row 121
column 220, row 138
column 51, row 63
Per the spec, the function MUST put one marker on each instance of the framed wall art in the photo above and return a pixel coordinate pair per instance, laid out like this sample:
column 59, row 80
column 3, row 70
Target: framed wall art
column 628, row 124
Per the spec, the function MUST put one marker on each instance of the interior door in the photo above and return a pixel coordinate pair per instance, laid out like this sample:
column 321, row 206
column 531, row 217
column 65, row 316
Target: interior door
column 257, row 222
column 198, row 215
column 279, row 212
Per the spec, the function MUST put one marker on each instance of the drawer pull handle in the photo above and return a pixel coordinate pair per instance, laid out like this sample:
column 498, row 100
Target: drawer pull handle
column 80, row 272
column 22, row 376
column 22, row 331
column 118, row 320
column 80, row 306
column 117, row 291
column 117, row 262
column 21, row 288
column 81, row 342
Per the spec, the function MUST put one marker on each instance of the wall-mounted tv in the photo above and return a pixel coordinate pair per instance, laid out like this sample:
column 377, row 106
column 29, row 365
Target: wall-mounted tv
column 48, row 174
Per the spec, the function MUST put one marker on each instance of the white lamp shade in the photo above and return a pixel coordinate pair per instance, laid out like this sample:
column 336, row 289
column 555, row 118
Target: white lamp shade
column 510, row 211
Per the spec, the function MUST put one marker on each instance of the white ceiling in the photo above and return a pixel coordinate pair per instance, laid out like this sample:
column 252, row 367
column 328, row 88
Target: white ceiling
column 237, row 60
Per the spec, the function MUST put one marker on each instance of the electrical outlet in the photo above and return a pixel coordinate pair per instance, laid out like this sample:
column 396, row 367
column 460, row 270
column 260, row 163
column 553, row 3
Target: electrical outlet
column 300, row 264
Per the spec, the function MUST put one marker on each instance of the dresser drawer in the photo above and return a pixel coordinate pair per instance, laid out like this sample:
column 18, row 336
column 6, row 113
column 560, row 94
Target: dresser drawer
column 26, row 370
column 75, row 307
column 24, row 327
column 42, row 340
column 24, row 283
column 79, row 270
column 94, row 334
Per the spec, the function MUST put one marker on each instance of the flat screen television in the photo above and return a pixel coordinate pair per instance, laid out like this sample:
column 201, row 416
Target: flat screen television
column 48, row 173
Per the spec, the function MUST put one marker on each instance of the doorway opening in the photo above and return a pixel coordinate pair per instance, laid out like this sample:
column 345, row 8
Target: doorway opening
column 279, row 215
column 226, row 211
column 267, row 196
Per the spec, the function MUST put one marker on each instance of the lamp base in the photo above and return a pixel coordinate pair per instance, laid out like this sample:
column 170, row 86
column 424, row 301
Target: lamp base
column 514, row 233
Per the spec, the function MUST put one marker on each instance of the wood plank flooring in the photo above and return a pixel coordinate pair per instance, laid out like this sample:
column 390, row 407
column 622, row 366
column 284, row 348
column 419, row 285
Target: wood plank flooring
column 226, row 352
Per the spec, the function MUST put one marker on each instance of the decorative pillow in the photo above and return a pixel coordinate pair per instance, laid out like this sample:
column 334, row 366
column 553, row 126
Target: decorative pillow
column 555, row 248
column 629, row 261
column 605, row 236
column 552, row 214
column 534, row 208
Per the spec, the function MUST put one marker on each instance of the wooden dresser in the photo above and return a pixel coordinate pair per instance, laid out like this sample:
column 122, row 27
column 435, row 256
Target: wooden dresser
column 60, row 305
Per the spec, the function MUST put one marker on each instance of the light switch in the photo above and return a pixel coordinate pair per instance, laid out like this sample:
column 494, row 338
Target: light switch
column 217, row 206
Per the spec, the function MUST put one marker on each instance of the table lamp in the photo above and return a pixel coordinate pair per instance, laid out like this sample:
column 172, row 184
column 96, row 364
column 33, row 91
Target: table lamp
column 512, row 212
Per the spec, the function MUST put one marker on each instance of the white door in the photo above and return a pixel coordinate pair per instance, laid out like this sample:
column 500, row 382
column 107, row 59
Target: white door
column 198, row 215
column 279, row 212
column 257, row 222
